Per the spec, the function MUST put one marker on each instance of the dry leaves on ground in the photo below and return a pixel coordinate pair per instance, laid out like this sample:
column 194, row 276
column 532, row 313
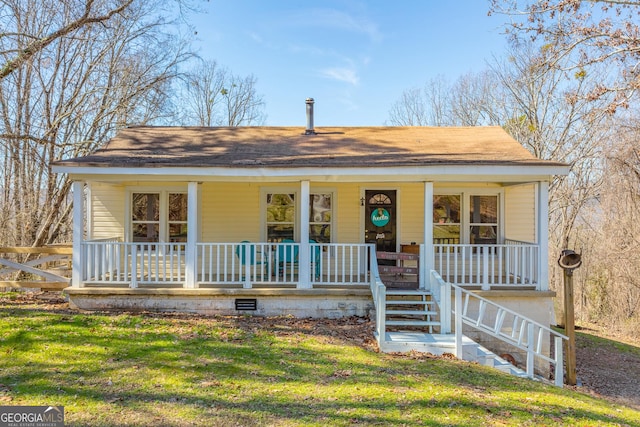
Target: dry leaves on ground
column 602, row 369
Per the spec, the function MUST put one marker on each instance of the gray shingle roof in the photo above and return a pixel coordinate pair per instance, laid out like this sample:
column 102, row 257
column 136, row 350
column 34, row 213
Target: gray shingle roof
column 284, row 147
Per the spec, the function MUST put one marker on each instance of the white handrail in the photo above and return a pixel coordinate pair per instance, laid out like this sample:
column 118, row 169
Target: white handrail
column 378, row 291
column 499, row 322
column 512, row 264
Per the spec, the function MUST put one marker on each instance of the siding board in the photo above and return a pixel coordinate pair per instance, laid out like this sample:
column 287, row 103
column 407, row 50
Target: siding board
column 520, row 210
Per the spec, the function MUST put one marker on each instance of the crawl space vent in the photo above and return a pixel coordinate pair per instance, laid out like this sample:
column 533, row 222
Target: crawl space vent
column 246, row 304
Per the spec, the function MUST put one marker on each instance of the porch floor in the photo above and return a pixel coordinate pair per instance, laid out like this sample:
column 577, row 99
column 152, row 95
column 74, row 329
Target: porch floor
column 391, row 282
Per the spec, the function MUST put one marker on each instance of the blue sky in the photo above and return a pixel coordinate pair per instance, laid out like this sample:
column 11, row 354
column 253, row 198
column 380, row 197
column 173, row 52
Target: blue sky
column 354, row 57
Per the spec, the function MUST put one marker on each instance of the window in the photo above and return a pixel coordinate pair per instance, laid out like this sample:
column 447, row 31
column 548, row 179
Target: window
column 320, row 209
column 281, row 216
column 145, row 217
column 380, row 199
column 483, row 220
column 477, row 226
column 446, row 219
column 177, row 217
column 159, row 217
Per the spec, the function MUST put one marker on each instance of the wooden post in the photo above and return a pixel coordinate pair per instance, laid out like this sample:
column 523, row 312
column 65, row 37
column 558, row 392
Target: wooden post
column 77, row 272
column 542, row 236
column 304, row 253
column 191, row 254
column 427, row 255
column 569, row 261
column 569, row 325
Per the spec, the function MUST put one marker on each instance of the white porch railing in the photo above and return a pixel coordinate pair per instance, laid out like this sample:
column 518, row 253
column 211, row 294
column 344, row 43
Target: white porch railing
column 510, row 264
column 499, row 322
column 109, row 262
column 250, row 263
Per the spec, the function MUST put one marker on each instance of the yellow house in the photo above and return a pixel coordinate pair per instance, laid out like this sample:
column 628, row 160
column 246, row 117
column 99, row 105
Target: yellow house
column 391, row 222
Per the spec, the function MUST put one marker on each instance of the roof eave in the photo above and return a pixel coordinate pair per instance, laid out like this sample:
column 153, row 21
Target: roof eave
column 398, row 173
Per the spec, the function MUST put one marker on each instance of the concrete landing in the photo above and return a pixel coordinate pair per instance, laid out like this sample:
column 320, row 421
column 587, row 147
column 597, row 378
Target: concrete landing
column 436, row 344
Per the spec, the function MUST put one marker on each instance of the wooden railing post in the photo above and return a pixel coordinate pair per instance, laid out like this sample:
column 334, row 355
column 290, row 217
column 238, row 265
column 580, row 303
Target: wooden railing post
column 248, row 256
column 559, row 368
column 134, row 266
column 458, row 322
column 381, row 312
column 530, row 350
column 485, row 267
column 445, row 312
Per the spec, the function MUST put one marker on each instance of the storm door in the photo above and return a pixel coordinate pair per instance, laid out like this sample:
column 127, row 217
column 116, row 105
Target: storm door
column 380, row 219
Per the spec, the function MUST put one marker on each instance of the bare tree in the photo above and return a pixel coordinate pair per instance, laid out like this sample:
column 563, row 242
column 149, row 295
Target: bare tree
column 587, row 32
column 466, row 102
column 544, row 108
column 213, row 96
column 243, row 105
column 68, row 98
column 414, row 107
column 550, row 115
column 92, row 12
column 609, row 288
column 203, row 94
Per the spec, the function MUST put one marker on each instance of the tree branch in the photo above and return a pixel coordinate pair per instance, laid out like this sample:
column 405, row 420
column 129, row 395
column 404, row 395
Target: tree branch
column 38, row 45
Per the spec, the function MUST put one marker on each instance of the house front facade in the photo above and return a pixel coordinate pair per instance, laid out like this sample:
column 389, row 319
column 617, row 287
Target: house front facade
column 304, row 221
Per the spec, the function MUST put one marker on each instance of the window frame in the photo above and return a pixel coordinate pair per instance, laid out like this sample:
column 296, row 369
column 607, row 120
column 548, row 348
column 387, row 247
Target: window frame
column 329, row 223
column 465, row 223
column 163, row 214
column 264, row 191
column 263, row 212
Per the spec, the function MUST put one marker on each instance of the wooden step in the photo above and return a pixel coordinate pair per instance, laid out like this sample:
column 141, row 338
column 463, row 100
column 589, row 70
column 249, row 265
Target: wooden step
column 412, row 312
column 412, row 323
column 408, row 302
column 408, row 292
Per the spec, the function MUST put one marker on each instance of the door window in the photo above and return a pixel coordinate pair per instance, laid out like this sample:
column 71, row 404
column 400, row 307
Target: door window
column 177, row 217
column 483, row 220
column 281, row 216
column 320, row 216
column 380, row 219
column 159, row 217
column 145, row 217
column 446, row 219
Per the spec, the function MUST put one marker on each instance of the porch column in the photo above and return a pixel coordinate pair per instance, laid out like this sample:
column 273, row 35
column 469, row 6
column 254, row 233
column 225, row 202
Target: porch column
column 426, row 257
column 543, row 235
column 77, row 264
column 191, row 253
column 304, row 256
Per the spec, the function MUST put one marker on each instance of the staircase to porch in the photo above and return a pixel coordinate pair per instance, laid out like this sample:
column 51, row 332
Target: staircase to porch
column 408, row 310
column 412, row 324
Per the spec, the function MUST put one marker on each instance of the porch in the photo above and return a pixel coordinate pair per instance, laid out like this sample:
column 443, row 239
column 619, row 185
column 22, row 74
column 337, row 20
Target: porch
column 245, row 265
column 450, row 315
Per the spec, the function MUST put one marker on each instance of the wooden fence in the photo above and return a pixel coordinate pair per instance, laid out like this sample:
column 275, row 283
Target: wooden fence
column 47, row 268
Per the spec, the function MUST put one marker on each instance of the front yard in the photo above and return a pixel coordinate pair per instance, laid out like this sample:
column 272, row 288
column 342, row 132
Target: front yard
column 178, row 370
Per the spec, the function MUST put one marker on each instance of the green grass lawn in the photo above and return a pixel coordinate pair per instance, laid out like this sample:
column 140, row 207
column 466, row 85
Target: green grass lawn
column 152, row 370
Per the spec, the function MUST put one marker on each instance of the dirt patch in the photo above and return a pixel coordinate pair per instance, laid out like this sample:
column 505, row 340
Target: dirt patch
column 603, row 368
